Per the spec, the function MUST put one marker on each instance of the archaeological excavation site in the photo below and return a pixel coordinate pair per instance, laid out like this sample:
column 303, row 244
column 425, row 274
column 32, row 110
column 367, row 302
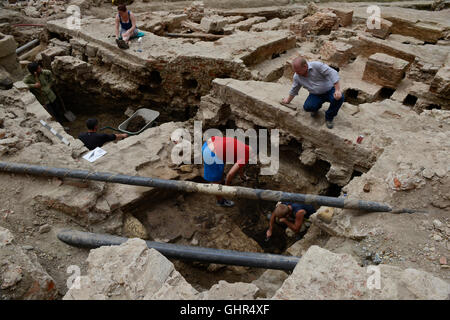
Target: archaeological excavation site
column 111, row 110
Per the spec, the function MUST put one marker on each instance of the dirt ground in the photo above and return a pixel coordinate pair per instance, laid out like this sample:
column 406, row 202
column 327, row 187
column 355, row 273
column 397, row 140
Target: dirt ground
column 24, row 220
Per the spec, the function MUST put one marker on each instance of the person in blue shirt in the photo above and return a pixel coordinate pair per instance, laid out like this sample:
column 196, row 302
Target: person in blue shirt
column 322, row 83
column 291, row 214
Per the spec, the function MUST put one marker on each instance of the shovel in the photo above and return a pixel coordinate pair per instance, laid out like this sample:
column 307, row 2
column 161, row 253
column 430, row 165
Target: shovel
column 68, row 114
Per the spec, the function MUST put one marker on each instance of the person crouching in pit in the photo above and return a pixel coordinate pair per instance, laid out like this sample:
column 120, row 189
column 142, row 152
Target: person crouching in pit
column 291, row 214
column 214, row 152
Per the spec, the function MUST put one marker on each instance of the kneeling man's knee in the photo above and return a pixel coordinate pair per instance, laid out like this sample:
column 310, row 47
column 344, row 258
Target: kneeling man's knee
column 310, row 106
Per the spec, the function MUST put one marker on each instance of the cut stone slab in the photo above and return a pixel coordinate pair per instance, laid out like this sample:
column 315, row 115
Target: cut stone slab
column 248, row 23
column 441, row 83
column 130, row 271
column 259, row 10
column 421, row 24
column 269, row 282
column 430, row 54
column 317, row 24
column 272, row 69
column 230, row 291
column 273, row 24
column 351, row 76
column 213, row 24
column 423, row 30
column 6, row 81
column 383, row 31
column 272, row 46
column 385, row 70
column 322, row 275
column 7, row 45
column 337, row 53
column 345, row 16
column 49, row 54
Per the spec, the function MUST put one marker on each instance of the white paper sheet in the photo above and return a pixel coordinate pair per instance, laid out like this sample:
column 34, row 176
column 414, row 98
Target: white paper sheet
column 95, row 154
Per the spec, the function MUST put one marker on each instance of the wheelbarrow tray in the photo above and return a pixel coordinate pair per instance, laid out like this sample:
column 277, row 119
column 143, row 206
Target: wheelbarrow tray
column 147, row 114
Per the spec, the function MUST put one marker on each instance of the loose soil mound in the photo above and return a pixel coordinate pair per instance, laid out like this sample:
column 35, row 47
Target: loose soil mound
column 136, row 124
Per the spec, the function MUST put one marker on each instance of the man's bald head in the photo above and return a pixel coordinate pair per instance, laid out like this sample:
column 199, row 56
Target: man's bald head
column 300, row 66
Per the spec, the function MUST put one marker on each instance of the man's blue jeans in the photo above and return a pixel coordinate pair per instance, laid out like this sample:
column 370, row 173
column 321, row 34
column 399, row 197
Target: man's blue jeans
column 314, row 102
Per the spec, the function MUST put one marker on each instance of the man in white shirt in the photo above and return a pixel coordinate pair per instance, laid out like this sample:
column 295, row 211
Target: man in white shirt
column 322, row 82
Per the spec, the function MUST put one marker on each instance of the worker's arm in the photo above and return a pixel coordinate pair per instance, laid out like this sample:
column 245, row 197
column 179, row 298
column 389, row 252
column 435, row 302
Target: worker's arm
column 133, row 23
column 298, row 221
column 333, row 75
column 234, row 169
column 337, row 91
column 242, row 174
column 121, row 136
column 269, row 231
column 117, row 26
column 31, row 82
column 296, row 86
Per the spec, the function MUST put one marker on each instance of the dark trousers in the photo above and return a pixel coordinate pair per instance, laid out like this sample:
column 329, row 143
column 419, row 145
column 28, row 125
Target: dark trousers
column 314, row 102
column 56, row 111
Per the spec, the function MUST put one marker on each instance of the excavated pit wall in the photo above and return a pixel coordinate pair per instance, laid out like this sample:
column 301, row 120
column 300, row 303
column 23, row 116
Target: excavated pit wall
column 170, row 75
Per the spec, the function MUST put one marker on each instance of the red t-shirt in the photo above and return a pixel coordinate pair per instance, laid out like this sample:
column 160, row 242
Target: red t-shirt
column 231, row 147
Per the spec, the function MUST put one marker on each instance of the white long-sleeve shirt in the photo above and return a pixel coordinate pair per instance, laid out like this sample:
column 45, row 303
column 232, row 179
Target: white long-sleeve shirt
column 320, row 79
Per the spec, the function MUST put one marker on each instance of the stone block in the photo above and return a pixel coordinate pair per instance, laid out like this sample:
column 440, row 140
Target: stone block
column 317, row 24
column 55, row 42
column 213, row 24
column 20, row 85
column 248, row 23
column 336, row 52
column 49, row 54
column 441, row 82
column 273, row 24
column 385, row 70
column 345, row 16
column 230, row 291
column 8, row 45
column 383, row 31
column 321, row 274
column 91, row 51
column 6, row 81
column 31, row 11
column 130, row 271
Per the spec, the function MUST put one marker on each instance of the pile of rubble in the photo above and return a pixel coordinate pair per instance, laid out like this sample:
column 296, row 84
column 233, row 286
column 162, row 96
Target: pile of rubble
column 38, row 8
column 132, row 271
column 10, row 70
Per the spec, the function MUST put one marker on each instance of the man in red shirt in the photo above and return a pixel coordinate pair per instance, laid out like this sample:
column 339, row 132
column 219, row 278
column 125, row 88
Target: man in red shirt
column 218, row 151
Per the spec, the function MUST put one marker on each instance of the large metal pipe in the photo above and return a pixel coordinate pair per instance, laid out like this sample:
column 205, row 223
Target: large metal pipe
column 189, row 253
column 214, row 189
column 27, row 46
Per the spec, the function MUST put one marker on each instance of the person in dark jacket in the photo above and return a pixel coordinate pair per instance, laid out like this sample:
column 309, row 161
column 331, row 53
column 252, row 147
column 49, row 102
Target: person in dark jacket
column 92, row 139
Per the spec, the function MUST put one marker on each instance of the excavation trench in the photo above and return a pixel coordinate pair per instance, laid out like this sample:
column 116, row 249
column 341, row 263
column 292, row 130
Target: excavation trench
column 195, row 219
column 109, row 111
